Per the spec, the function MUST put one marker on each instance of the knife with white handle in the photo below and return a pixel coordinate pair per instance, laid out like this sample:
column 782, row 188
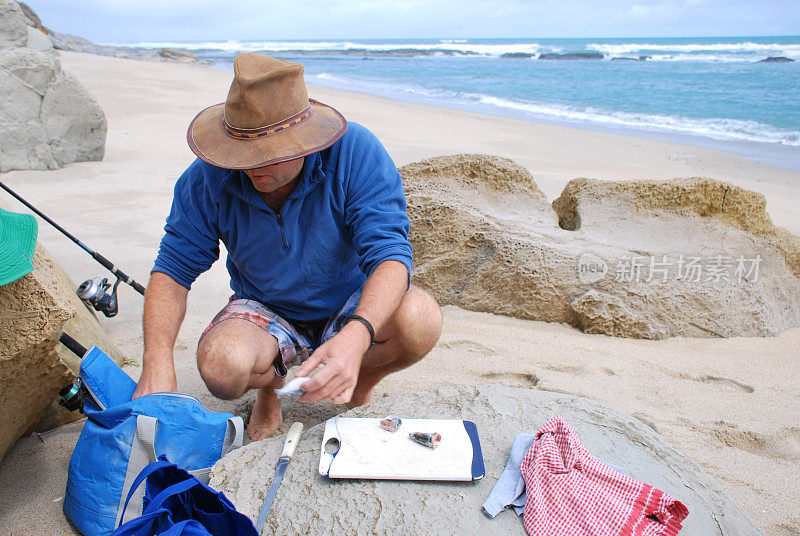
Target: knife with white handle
column 286, row 456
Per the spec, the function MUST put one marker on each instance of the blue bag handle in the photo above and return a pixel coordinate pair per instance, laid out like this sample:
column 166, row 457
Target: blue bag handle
column 147, row 471
column 178, row 529
column 175, row 489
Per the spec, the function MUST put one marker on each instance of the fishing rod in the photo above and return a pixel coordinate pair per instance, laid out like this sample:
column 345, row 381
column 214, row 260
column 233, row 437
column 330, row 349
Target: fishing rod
column 90, row 291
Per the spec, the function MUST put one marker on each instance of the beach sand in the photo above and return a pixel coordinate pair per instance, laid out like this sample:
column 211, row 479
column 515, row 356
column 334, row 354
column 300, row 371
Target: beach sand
column 731, row 405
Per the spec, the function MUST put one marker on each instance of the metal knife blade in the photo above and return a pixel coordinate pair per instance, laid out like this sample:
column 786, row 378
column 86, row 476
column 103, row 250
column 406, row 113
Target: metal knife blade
column 286, row 456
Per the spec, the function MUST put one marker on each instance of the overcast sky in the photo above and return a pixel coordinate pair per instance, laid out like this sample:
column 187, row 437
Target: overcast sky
column 197, row 20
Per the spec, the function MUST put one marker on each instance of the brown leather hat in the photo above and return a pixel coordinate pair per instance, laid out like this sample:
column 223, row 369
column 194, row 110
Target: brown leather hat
column 267, row 118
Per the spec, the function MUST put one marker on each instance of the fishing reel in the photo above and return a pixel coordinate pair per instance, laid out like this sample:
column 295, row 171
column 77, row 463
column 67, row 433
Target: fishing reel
column 94, row 293
column 72, row 396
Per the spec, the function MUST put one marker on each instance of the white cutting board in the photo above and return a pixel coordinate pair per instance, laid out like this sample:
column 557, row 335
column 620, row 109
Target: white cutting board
column 367, row 451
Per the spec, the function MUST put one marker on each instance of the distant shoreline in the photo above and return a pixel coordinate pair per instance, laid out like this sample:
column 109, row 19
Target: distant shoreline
column 773, row 154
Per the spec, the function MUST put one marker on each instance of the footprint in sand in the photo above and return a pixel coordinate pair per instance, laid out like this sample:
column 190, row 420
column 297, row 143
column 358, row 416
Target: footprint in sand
column 523, row 379
column 735, row 384
column 471, row 346
column 783, row 444
column 567, row 369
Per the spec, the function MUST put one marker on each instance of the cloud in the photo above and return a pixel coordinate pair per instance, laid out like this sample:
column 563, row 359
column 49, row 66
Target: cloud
column 197, row 20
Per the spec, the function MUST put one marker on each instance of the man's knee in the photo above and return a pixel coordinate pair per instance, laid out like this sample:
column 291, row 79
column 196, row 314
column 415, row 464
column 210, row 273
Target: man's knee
column 227, row 357
column 215, row 361
column 418, row 321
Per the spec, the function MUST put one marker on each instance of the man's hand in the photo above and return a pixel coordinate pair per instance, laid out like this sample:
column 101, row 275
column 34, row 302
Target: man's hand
column 164, row 309
column 155, row 379
column 341, row 355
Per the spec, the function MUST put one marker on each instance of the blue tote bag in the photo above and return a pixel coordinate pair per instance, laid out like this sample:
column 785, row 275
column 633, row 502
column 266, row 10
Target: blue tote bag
column 122, row 436
column 177, row 503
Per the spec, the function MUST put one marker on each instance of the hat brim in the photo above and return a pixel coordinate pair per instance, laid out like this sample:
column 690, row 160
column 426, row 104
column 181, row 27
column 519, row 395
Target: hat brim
column 211, row 143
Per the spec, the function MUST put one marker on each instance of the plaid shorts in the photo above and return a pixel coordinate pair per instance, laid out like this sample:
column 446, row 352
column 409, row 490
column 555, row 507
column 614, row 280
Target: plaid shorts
column 297, row 339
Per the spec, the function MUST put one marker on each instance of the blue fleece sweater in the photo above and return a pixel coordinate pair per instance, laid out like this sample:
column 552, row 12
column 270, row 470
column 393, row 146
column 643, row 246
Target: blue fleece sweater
column 346, row 215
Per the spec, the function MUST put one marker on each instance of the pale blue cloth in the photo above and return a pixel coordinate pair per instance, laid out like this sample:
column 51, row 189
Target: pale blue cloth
column 509, row 491
column 510, row 487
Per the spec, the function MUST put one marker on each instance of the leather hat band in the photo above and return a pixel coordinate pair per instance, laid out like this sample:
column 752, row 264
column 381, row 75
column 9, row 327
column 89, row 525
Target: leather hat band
column 260, row 132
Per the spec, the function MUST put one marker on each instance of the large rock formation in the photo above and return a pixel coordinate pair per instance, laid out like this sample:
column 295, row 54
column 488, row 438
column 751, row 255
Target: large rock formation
column 646, row 259
column 47, row 118
column 34, row 310
column 376, row 507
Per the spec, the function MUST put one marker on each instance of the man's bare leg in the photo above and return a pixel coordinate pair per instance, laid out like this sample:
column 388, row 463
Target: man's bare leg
column 236, row 356
column 410, row 333
column 266, row 415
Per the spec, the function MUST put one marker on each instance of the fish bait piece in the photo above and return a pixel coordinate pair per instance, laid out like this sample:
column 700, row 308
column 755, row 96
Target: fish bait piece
column 391, row 423
column 293, row 387
column 428, row 439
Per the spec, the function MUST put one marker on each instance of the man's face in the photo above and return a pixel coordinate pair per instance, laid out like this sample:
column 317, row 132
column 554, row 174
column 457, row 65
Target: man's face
column 267, row 179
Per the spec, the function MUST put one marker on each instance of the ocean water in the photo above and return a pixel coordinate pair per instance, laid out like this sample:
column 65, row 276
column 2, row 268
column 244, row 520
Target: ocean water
column 705, row 91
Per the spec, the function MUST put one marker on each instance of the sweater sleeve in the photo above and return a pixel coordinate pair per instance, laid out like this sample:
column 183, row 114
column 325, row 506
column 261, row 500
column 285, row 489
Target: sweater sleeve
column 375, row 210
column 191, row 240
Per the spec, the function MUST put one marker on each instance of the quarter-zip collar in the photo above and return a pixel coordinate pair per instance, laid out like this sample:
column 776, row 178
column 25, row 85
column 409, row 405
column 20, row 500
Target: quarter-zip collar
column 238, row 184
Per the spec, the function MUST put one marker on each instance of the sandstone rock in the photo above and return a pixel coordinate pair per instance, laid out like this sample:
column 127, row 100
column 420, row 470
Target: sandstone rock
column 32, row 68
column 485, row 239
column 47, row 119
column 20, row 103
column 74, row 123
column 13, row 25
column 34, row 310
column 39, row 41
column 62, row 41
column 586, row 204
column 33, row 17
column 24, row 147
column 394, row 507
column 174, row 54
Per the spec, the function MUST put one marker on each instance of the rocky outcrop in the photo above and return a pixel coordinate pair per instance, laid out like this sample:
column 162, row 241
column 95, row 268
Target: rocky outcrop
column 174, row 54
column 585, row 203
column 454, row 508
column 776, row 59
column 47, row 118
column 33, row 312
column 572, row 56
column 517, row 55
column 644, row 259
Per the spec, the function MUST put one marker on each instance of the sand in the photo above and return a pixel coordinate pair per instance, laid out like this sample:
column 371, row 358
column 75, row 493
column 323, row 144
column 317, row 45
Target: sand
column 731, row 405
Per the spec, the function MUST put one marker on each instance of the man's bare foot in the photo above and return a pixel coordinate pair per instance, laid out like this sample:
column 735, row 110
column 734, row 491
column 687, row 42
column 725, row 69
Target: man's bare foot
column 266, row 416
column 359, row 399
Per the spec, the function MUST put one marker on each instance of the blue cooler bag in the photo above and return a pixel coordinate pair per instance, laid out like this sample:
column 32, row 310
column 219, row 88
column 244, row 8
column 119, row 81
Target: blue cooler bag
column 122, row 436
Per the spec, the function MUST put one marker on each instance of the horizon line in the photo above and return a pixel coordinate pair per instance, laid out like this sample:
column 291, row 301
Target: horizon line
column 476, row 38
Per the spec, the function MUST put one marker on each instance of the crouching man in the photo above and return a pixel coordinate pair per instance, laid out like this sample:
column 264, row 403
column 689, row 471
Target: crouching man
column 311, row 210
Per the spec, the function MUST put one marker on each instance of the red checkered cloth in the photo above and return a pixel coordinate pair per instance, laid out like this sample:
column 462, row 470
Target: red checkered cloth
column 570, row 493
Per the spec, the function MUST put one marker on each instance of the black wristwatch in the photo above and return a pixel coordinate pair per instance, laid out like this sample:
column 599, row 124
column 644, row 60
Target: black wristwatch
column 364, row 321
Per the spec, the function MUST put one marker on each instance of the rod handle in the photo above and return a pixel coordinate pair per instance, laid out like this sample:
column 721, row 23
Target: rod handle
column 74, row 346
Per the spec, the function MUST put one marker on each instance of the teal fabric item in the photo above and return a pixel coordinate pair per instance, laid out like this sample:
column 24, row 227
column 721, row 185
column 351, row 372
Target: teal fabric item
column 122, row 436
column 17, row 243
column 346, row 215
